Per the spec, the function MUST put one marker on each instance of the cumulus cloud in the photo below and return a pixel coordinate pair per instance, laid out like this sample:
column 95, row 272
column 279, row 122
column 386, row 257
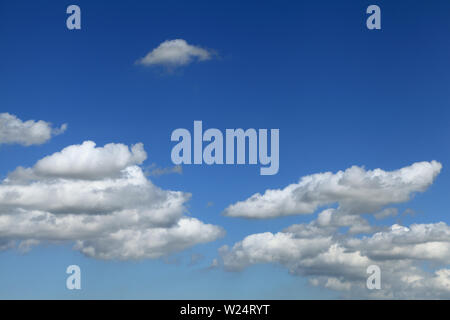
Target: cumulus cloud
column 339, row 262
column 175, row 53
column 356, row 190
column 86, row 161
column 100, row 199
column 413, row 260
column 26, row 133
column 429, row 242
column 151, row 242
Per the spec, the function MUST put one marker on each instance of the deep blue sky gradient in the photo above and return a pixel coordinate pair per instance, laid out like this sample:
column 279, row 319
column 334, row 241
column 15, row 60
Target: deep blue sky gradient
column 340, row 94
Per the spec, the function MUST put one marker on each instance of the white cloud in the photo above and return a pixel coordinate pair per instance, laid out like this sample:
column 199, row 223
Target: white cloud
column 126, row 244
column 334, row 219
column 270, row 248
column 356, row 191
column 100, row 199
column 336, row 259
column 339, row 262
column 15, row 131
column 87, row 161
column 429, row 242
column 175, row 53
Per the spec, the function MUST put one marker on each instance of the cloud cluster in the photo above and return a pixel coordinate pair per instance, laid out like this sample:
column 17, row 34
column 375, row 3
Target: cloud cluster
column 337, row 259
column 339, row 262
column 27, row 133
column 175, row 53
column 100, row 199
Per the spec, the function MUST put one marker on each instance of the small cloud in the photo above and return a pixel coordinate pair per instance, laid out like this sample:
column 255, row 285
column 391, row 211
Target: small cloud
column 26, row 245
column 409, row 211
column 214, row 264
column 26, row 133
column 175, row 53
column 195, row 259
column 210, row 204
column 388, row 212
column 174, row 260
column 156, row 172
column 61, row 130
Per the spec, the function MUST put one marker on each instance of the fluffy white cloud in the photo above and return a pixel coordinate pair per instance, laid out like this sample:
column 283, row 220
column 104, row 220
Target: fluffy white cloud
column 356, row 191
column 86, row 161
column 339, row 262
column 149, row 243
column 15, row 131
column 100, row 199
column 175, row 53
column 337, row 259
column 267, row 247
column 429, row 242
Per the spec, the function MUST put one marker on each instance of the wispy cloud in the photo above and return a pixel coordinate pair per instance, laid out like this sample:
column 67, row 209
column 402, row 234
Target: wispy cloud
column 154, row 171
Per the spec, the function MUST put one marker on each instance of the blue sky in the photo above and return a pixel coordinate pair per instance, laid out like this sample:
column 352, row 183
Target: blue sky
column 341, row 95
